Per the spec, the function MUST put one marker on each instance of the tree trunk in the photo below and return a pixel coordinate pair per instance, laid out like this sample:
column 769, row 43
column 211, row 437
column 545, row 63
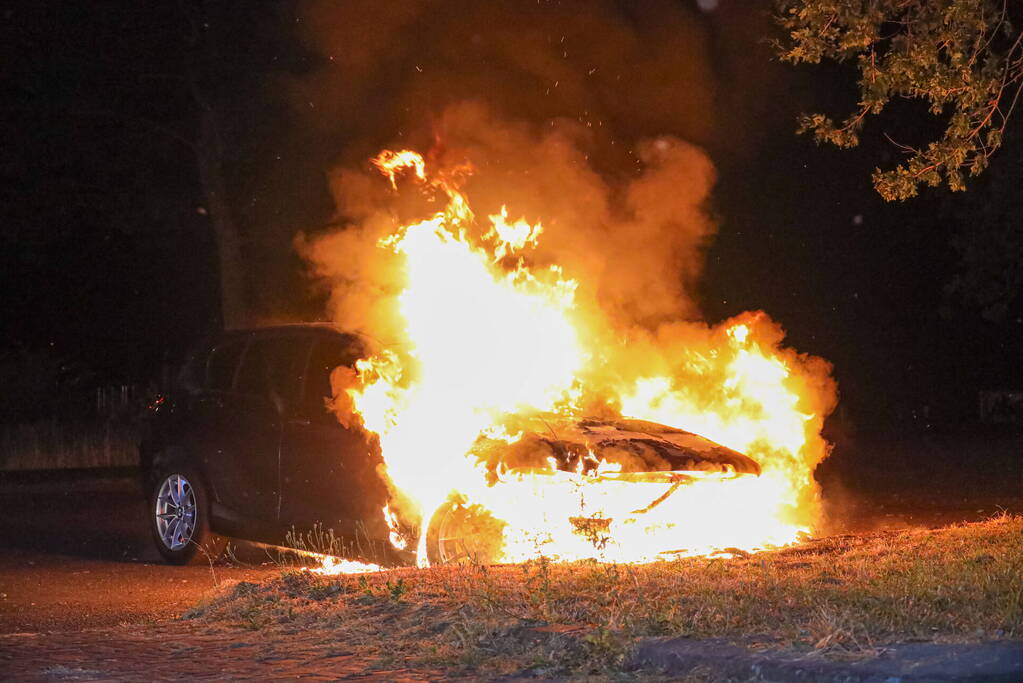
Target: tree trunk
column 209, row 155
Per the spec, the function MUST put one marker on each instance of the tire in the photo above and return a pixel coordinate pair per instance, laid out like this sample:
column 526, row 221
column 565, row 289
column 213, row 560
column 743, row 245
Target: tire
column 463, row 533
column 179, row 517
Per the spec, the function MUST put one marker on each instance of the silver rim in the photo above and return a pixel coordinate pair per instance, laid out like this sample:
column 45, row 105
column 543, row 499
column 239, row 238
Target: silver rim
column 458, row 538
column 175, row 512
column 450, row 544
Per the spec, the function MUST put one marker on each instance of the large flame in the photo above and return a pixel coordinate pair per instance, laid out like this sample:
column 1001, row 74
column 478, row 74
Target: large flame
column 487, row 335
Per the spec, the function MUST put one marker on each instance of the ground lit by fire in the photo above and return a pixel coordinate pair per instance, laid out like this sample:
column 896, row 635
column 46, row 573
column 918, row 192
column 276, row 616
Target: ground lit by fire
column 487, row 332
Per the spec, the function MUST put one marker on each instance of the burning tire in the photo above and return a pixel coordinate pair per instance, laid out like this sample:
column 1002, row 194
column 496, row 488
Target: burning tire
column 460, row 532
column 179, row 518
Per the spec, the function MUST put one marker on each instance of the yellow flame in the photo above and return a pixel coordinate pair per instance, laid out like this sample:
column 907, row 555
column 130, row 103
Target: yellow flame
column 390, row 163
column 395, row 536
column 511, row 236
column 487, row 336
column 335, row 566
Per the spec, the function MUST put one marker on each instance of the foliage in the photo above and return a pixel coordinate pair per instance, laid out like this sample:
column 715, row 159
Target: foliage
column 988, row 243
column 962, row 57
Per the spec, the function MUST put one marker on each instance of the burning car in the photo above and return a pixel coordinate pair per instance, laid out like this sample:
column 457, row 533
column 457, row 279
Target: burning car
column 250, row 446
column 460, row 431
column 634, row 465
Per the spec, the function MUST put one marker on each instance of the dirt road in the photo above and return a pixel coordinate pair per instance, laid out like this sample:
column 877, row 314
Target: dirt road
column 83, row 596
column 75, row 552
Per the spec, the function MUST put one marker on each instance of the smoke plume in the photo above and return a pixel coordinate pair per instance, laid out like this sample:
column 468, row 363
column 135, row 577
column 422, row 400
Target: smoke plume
column 589, row 118
column 635, row 245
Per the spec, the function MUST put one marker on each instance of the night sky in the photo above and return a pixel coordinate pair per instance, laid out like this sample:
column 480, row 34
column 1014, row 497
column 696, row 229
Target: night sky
column 108, row 258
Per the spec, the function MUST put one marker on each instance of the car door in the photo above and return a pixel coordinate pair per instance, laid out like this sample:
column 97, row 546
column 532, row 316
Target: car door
column 329, row 471
column 211, row 419
column 248, row 465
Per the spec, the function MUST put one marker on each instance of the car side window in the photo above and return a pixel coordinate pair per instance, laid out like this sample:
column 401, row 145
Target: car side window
column 222, row 363
column 272, row 367
column 327, row 355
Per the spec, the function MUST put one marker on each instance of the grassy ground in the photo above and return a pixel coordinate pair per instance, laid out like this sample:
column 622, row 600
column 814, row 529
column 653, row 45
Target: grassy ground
column 843, row 596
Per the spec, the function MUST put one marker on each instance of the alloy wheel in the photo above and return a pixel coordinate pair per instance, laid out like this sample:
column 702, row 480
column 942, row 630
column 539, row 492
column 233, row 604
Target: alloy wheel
column 175, row 512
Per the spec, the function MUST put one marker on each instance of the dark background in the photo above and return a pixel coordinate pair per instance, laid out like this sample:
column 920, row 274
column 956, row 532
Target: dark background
column 108, row 261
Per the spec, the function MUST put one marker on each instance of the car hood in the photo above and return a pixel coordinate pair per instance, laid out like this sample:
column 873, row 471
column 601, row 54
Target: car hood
column 579, row 445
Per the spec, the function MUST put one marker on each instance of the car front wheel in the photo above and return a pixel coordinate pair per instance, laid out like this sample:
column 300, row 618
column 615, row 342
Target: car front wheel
column 179, row 517
column 460, row 533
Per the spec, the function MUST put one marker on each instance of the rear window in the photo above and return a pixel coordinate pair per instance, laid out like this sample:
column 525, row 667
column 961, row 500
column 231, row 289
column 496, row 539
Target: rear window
column 222, row 363
column 272, row 366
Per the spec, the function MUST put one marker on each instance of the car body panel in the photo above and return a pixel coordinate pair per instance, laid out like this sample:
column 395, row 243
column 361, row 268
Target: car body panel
column 266, row 437
column 273, row 465
column 624, row 445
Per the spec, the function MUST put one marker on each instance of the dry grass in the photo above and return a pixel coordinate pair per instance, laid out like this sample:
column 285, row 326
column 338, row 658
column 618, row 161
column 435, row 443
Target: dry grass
column 841, row 596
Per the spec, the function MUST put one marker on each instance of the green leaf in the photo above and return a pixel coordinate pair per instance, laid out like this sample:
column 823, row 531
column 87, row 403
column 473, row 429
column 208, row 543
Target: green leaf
column 951, row 54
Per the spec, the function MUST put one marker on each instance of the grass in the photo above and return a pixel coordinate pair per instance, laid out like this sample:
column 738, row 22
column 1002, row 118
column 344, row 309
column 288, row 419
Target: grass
column 843, row 596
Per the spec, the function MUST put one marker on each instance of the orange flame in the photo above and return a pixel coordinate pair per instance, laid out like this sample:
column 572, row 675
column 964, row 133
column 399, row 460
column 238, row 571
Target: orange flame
column 390, row 163
column 334, row 566
column 486, row 335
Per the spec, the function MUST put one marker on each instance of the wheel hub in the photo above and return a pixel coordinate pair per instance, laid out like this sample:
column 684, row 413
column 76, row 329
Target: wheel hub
column 175, row 512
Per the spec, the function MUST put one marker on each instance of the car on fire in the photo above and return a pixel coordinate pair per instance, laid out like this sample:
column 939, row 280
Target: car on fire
column 248, row 446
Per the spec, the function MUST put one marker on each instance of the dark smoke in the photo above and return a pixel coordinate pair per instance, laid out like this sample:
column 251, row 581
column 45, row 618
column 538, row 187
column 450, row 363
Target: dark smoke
column 595, row 118
column 626, row 69
column 383, row 74
column 561, row 106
